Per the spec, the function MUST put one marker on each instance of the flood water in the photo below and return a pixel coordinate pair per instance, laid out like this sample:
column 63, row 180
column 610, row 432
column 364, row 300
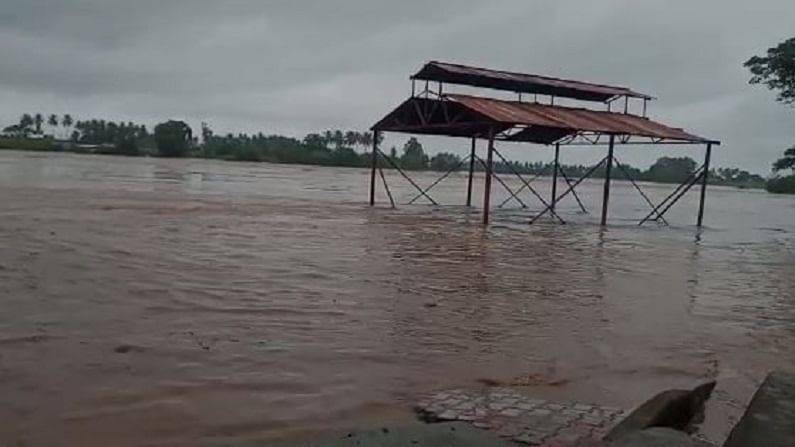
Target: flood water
column 258, row 304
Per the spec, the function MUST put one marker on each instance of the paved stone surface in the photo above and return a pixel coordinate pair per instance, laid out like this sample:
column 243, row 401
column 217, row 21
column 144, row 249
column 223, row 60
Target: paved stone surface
column 521, row 419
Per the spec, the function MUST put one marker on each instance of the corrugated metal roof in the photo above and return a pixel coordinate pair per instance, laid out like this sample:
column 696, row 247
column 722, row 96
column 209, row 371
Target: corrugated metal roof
column 521, row 82
column 572, row 119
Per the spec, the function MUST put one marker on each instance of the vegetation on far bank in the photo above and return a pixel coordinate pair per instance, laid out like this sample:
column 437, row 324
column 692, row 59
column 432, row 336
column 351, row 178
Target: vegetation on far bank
column 329, row 148
column 776, row 71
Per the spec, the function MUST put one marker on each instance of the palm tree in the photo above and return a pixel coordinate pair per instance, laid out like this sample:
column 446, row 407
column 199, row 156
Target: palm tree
column 25, row 122
column 366, row 139
column 351, row 138
column 66, row 123
column 52, row 121
column 328, row 136
column 38, row 120
column 339, row 138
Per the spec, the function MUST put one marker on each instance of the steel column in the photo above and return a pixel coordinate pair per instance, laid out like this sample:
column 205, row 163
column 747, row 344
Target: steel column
column 704, row 182
column 608, row 169
column 471, row 171
column 489, row 173
column 373, row 166
column 555, row 177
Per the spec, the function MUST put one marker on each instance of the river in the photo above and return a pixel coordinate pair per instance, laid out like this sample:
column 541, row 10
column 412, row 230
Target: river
column 193, row 302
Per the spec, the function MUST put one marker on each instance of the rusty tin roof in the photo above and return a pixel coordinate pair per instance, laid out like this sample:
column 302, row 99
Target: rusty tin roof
column 522, row 82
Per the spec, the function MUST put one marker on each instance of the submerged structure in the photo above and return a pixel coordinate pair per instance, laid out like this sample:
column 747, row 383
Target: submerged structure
column 614, row 116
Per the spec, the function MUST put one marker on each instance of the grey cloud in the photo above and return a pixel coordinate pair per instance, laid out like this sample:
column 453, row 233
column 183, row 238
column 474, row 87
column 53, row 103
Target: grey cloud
column 300, row 66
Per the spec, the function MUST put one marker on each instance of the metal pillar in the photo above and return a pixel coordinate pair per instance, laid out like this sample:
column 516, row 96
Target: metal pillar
column 608, row 169
column 373, row 166
column 489, row 174
column 471, row 171
column 704, row 182
column 555, row 177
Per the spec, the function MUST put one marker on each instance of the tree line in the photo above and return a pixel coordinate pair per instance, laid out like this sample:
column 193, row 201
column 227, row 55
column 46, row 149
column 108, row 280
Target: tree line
column 329, row 148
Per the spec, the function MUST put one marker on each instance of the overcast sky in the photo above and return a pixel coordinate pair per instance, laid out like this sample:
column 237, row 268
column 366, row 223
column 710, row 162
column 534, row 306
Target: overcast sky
column 296, row 66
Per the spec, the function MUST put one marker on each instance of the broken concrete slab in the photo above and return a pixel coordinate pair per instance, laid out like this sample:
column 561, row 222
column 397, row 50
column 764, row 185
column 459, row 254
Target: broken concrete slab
column 770, row 418
column 676, row 409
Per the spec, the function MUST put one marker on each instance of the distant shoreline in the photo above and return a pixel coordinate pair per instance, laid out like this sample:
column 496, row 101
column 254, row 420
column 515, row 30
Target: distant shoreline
column 98, row 150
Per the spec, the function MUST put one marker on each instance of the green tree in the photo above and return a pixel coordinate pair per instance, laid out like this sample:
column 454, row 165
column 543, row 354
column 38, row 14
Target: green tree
column 26, row 122
column 414, row 156
column 52, row 121
column 314, row 140
column 787, row 162
column 445, row 161
column 776, row 70
column 339, row 138
column 352, row 138
column 366, row 140
column 671, row 169
column 38, row 121
column 173, row 138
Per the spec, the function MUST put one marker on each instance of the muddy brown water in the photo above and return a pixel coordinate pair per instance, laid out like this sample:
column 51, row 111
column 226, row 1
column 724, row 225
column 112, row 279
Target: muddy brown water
column 189, row 302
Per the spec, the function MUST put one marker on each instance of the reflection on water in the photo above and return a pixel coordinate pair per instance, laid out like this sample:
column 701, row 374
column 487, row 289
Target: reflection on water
column 264, row 302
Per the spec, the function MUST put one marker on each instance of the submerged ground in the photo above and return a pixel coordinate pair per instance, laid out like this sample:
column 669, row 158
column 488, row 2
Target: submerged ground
column 186, row 302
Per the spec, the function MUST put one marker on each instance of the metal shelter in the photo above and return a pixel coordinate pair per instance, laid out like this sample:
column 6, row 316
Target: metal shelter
column 533, row 117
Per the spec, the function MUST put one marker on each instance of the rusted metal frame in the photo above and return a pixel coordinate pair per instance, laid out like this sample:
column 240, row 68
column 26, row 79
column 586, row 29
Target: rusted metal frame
column 530, row 188
column 434, row 106
column 420, row 113
column 457, row 117
column 501, row 182
column 386, row 187
column 413, row 183
column 691, row 179
column 519, row 191
column 582, row 140
column 445, row 112
column 566, row 140
column 574, row 192
column 673, row 201
column 705, row 181
column 632, row 180
column 471, row 171
column 608, row 172
column 555, row 176
column 373, row 165
column 568, row 191
column 427, row 96
column 489, row 173
column 585, row 137
column 439, row 180
column 420, row 128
